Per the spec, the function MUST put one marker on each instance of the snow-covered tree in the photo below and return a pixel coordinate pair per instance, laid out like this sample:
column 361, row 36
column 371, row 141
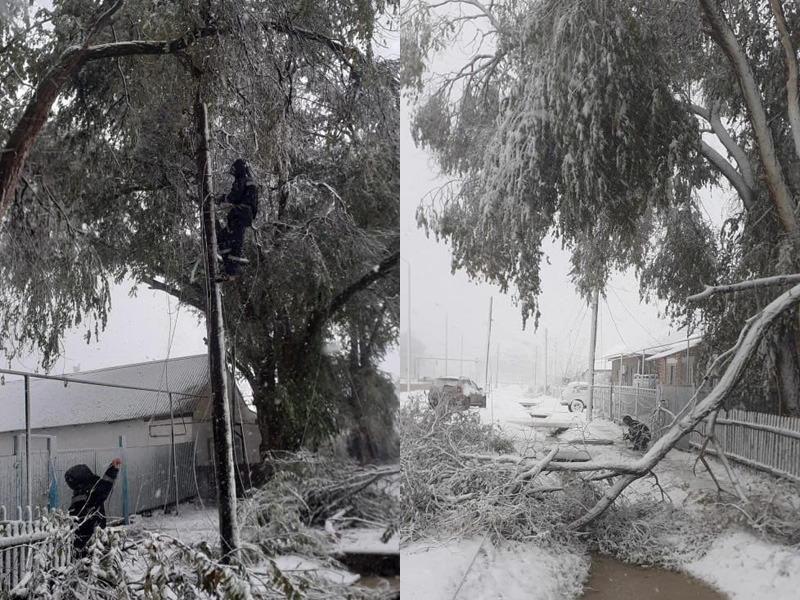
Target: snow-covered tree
column 103, row 187
column 598, row 122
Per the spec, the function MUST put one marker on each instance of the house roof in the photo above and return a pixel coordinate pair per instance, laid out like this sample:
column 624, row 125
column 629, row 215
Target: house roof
column 56, row 403
column 675, row 348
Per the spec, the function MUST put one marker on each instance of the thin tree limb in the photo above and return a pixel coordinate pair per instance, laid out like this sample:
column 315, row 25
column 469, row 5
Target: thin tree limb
column 734, row 149
column 710, row 290
column 731, row 174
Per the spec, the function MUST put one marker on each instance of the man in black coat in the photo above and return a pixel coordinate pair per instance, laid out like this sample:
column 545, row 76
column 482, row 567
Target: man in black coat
column 89, row 493
column 638, row 433
column 243, row 199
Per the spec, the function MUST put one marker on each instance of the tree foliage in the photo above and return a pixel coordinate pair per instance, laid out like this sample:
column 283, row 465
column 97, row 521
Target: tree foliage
column 110, row 189
column 599, row 122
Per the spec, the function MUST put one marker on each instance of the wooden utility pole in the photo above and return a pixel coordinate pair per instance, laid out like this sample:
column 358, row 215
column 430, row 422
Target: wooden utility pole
column 592, row 344
column 545, row 361
column 221, row 418
column 488, row 343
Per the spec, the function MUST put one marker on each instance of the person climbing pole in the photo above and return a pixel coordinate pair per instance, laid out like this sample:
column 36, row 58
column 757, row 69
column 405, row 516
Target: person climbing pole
column 243, row 208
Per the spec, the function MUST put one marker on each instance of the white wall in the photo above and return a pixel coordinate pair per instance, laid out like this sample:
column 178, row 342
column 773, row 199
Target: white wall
column 105, row 435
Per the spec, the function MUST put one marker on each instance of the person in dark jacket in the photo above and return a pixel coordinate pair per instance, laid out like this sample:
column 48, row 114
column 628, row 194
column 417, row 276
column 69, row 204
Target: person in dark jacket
column 243, row 199
column 638, row 433
column 89, row 493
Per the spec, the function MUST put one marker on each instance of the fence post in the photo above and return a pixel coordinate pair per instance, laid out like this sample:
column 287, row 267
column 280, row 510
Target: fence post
column 51, row 470
column 125, row 506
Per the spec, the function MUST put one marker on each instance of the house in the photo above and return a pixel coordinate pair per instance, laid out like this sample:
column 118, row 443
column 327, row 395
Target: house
column 625, row 366
column 664, row 364
column 160, row 422
column 677, row 363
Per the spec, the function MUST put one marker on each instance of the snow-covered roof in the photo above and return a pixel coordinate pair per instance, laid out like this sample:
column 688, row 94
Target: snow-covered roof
column 674, row 348
column 56, row 404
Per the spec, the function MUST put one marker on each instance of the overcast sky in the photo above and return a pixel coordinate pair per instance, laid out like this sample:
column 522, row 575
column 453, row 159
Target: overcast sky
column 446, row 308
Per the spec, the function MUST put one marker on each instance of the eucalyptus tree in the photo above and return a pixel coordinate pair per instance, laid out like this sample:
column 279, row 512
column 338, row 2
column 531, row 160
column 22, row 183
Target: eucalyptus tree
column 599, row 122
column 107, row 190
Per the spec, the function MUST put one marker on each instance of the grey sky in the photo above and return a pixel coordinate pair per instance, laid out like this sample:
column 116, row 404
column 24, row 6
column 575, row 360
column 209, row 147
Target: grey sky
column 438, row 296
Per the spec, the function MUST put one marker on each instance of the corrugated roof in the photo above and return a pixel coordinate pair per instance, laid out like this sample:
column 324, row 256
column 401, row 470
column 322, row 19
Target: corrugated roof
column 56, row 404
column 675, row 348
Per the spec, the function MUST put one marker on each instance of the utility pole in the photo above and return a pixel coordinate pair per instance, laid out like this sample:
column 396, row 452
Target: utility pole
column 221, row 418
column 535, row 361
column 461, row 360
column 488, row 343
column 497, row 366
column 446, row 355
column 545, row 361
column 592, row 343
column 408, row 332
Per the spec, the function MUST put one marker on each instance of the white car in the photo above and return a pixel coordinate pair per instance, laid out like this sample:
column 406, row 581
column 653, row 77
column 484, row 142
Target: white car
column 575, row 396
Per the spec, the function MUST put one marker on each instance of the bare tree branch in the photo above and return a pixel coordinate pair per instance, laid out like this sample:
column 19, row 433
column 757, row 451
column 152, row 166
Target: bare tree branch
column 710, row 290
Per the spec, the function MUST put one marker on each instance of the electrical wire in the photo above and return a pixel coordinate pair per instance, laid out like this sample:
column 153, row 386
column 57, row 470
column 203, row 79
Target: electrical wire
column 654, row 338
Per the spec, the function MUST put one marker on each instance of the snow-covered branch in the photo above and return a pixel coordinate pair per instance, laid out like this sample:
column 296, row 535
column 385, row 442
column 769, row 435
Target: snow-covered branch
column 710, row 290
column 722, row 33
column 792, row 101
column 12, row 157
column 730, row 173
column 743, row 180
column 636, row 469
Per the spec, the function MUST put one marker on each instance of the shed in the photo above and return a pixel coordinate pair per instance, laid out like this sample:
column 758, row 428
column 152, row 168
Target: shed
column 90, row 422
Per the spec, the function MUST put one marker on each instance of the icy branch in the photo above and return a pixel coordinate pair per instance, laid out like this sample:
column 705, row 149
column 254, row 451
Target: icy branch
column 638, row 468
column 734, row 149
column 710, row 290
column 791, row 66
column 12, row 157
column 722, row 33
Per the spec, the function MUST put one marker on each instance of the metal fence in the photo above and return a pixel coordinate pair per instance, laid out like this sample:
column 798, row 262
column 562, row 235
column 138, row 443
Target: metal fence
column 148, row 478
column 765, row 442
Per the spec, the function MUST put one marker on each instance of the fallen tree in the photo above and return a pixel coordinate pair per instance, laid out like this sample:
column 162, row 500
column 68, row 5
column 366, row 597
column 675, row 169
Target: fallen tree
column 454, row 479
column 739, row 355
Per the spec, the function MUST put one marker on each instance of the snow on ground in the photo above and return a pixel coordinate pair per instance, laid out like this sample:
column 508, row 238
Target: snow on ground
column 194, row 523
column 738, row 563
column 745, row 567
column 475, row 570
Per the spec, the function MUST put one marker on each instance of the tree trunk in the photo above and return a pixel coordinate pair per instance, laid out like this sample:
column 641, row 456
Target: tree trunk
column 788, row 378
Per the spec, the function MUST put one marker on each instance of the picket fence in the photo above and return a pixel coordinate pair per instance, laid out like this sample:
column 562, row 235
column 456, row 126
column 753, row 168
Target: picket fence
column 20, row 539
column 760, row 441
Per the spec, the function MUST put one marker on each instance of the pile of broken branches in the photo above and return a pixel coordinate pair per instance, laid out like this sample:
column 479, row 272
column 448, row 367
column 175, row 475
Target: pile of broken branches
column 308, row 491
column 457, row 484
column 458, row 479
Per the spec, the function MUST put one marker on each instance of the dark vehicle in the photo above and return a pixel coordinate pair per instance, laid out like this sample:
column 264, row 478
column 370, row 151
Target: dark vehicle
column 458, row 392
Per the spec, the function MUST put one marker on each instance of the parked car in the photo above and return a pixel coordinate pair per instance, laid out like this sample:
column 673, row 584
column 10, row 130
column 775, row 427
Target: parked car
column 575, row 396
column 459, row 392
